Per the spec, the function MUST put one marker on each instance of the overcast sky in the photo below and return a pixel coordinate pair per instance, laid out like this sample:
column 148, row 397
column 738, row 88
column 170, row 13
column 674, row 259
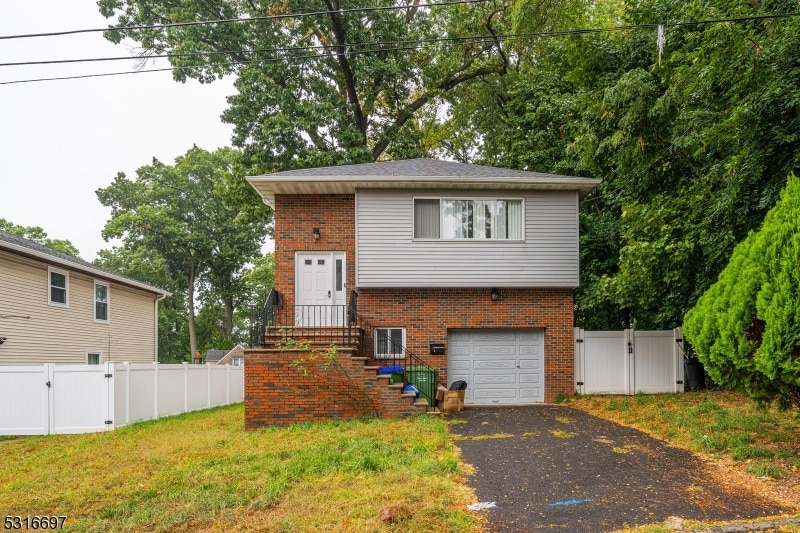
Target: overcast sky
column 62, row 140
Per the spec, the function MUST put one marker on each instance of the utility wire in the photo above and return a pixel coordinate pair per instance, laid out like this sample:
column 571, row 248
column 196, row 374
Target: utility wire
column 239, row 20
column 384, row 46
column 471, row 38
column 407, row 45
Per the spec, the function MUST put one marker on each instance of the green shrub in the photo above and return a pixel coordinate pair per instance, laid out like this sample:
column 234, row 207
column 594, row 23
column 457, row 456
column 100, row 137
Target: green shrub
column 746, row 327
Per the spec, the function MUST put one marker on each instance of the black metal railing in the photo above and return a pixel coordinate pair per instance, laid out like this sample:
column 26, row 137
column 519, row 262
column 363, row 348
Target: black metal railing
column 262, row 317
column 397, row 354
column 341, row 324
column 275, row 322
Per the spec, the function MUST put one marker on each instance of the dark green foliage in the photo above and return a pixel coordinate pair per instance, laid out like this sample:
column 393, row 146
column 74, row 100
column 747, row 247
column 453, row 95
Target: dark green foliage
column 746, row 327
column 37, row 234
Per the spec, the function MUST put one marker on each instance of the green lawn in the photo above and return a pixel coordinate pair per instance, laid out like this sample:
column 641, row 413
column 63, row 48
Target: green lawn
column 204, row 472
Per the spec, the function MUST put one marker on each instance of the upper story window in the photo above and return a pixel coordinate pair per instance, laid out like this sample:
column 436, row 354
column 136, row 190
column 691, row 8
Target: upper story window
column 58, row 287
column 472, row 218
column 100, row 301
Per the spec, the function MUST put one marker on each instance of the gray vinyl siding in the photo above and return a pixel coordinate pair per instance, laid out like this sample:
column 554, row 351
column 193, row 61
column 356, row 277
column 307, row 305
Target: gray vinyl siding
column 388, row 256
column 40, row 333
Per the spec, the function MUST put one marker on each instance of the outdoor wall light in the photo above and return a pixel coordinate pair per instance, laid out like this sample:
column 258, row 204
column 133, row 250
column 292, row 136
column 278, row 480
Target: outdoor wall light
column 495, row 295
column 315, row 233
column 2, row 340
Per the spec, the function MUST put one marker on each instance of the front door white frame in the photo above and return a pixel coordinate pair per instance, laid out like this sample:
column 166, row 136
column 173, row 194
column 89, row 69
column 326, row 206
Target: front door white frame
column 320, row 288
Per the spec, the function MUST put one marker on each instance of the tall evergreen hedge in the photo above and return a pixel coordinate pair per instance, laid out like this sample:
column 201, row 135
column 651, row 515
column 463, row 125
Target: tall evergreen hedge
column 746, row 327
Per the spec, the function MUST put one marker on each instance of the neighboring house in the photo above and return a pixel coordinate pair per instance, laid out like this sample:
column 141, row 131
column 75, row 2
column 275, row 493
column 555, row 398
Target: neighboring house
column 472, row 268
column 55, row 308
column 213, row 356
column 234, row 356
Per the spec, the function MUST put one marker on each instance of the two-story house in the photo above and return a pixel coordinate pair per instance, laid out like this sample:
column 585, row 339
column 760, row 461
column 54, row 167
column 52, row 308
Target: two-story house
column 55, row 308
column 470, row 267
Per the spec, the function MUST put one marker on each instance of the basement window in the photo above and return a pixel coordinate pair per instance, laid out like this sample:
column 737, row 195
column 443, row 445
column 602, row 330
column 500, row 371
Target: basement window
column 389, row 343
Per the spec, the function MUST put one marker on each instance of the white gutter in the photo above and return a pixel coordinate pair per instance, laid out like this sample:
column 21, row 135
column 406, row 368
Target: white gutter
column 96, row 272
column 155, row 348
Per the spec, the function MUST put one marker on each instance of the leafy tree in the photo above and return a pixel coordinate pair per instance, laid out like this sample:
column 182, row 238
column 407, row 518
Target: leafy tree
column 198, row 217
column 746, row 327
column 325, row 83
column 37, row 234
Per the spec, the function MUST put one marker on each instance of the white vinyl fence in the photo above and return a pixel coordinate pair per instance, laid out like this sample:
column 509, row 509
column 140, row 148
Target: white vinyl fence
column 49, row 398
column 627, row 362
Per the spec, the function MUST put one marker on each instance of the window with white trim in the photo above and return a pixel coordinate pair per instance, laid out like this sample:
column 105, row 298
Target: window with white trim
column 468, row 218
column 94, row 358
column 58, row 287
column 100, row 301
column 389, row 343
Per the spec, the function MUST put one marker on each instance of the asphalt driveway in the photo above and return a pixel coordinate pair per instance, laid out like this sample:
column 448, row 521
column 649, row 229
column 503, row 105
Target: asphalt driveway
column 555, row 468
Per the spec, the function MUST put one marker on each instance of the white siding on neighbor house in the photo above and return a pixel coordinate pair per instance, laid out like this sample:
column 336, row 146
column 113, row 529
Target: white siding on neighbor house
column 64, row 335
column 388, row 256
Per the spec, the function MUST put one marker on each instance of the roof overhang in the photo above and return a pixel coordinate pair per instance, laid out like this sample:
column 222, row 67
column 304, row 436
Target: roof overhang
column 77, row 267
column 268, row 186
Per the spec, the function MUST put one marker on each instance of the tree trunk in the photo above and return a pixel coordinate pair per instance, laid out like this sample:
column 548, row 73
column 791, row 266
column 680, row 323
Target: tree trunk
column 190, row 313
column 227, row 320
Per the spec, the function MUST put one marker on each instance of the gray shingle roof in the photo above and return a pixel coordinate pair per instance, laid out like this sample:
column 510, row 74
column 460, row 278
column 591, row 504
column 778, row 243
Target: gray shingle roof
column 421, row 167
column 212, row 356
column 61, row 258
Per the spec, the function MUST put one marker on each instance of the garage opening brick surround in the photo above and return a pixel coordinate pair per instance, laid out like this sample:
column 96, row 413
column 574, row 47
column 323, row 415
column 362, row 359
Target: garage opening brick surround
column 426, row 314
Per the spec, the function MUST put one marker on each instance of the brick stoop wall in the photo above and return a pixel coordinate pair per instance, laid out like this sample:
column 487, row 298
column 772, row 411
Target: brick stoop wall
column 278, row 393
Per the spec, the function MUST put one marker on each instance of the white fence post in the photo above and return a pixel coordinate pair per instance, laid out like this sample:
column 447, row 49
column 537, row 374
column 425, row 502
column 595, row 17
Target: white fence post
column 155, row 390
column 109, row 395
column 680, row 351
column 630, row 362
column 208, row 385
column 51, row 419
column 580, row 384
column 185, row 387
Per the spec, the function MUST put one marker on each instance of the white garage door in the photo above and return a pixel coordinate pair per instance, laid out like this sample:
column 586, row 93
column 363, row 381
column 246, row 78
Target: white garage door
column 500, row 366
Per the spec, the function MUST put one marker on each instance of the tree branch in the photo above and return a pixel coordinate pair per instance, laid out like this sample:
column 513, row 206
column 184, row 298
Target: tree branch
column 347, row 71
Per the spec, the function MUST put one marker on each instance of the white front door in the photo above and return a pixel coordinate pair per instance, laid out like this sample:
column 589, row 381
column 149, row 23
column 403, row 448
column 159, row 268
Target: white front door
column 320, row 289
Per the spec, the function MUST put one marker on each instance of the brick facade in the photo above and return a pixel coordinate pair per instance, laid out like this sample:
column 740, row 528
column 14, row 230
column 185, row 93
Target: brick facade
column 276, row 392
column 286, row 387
column 295, row 217
column 427, row 314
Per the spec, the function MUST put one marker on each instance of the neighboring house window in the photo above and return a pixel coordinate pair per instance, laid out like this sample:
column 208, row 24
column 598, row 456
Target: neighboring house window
column 100, row 301
column 58, row 291
column 446, row 218
column 389, row 342
column 238, row 361
column 94, row 358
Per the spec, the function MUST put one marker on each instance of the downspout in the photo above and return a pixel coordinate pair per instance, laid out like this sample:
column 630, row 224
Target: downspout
column 155, row 347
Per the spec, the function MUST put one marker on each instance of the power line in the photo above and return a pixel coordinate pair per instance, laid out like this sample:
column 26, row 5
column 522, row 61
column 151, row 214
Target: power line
column 385, row 46
column 471, row 38
column 352, row 48
column 238, row 20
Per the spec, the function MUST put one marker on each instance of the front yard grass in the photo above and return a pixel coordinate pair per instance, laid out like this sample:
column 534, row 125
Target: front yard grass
column 204, row 472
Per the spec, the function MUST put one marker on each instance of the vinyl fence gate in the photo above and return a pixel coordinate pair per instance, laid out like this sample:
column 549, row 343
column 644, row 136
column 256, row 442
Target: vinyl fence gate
column 629, row 361
column 48, row 399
